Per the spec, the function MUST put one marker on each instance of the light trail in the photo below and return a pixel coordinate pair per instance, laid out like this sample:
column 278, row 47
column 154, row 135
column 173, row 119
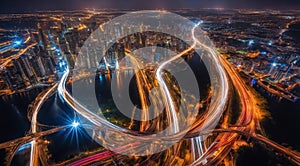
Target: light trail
column 139, row 73
column 75, row 105
column 34, row 135
column 247, row 123
column 16, row 56
column 30, row 137
column 225, row 142
column 219, row 104
column 248, row 120
column 102, row 155
column 215, row 112
column 5, row 43
column 216, row 109
column 257, row 137
column 34, row 150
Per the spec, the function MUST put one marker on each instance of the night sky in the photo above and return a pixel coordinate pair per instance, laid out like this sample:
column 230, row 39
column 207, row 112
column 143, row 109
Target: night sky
column 16, row 6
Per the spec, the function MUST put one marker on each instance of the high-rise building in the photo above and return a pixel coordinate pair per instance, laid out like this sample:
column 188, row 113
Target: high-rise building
column 37, row 66
column 29, row 71
column 70, row 59
column 19, row 70
column 63, row 44
column 94, row 26
column 76, row 36
column 7, row 77
column 42, row 37
column 70, row 39
column 49, row 65
column 63, row 26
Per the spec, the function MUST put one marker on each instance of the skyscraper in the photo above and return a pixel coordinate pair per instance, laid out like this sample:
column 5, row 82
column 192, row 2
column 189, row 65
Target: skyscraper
column 7, row 77
column 64, row 45
column 42, row 37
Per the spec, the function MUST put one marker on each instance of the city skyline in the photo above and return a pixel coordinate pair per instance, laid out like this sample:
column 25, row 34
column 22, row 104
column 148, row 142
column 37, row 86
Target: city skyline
column 18, row 6
column 160, row 87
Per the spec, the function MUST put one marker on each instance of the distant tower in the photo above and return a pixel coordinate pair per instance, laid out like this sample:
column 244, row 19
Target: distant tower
column 42, row 38
column 64, row 45
column 33, row 38
column 76, row 36
column 63, row 26
column 94, row 25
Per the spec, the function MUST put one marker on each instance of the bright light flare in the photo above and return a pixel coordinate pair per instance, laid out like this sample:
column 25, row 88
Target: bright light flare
column 18, row 42
column 251, row 42
column 75, row 124
column 270, row 43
